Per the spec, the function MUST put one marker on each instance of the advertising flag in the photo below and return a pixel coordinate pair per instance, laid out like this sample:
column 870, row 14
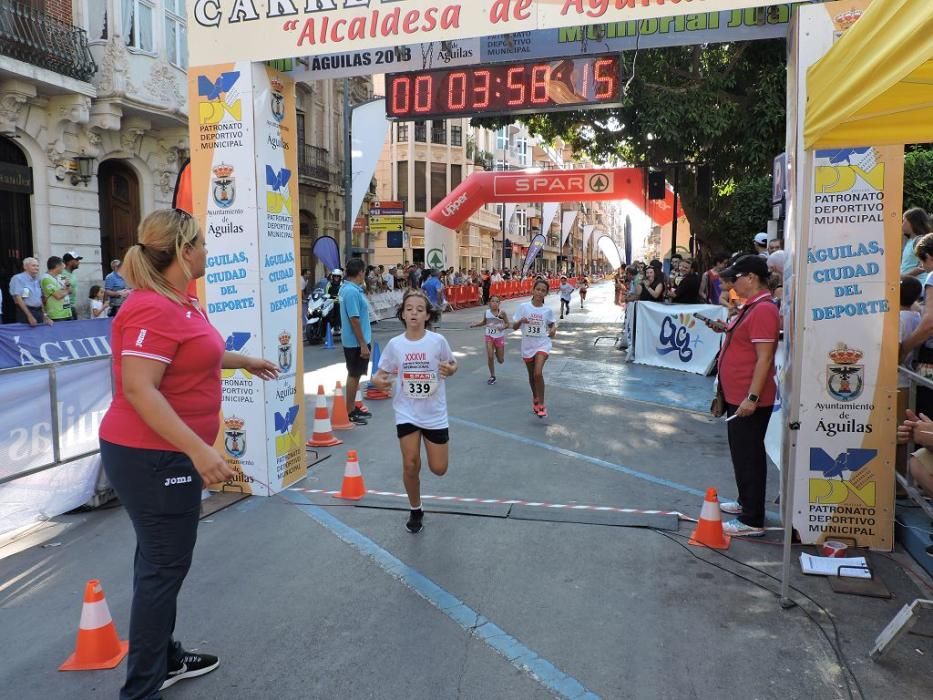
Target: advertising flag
column 537, row 243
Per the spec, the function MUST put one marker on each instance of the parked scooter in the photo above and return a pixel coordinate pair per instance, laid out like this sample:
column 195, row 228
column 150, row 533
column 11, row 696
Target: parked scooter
column 322, row 310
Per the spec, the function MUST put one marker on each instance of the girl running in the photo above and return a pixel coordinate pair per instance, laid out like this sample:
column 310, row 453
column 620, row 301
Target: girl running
column 418, row 362
column 537, row 324
column 496, row 321
column 566, row 291
column 584, row 285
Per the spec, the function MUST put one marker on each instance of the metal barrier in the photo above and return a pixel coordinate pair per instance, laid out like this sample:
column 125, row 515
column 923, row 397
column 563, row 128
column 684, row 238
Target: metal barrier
column 53, row 370
column 906, row 481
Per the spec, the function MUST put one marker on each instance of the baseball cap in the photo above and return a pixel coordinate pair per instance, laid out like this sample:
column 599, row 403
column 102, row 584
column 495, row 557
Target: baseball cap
column 747, row 264
column 71, row 255
column 761, row 238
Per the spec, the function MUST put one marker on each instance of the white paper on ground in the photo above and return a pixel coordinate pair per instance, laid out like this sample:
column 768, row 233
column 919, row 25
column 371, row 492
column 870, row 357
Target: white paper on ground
column 829, row 566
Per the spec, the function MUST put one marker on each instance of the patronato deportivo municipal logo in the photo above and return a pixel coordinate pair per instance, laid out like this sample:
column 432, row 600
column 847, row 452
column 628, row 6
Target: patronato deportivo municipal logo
column 223, row 186
column 277, row 195
column 234, row 440
column 845, row 379
column 844, row 479
column 285, row 351
column 277, row 102
column 218, row 101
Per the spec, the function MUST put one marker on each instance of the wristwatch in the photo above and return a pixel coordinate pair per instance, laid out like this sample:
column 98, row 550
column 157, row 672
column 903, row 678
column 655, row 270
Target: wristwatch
column 753, row 398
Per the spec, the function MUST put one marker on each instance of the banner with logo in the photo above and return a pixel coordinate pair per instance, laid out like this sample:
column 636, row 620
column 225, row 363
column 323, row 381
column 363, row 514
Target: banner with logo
column 261, row 30
column 568, row 219
column 669, row 335
column 26, row 427
column 845, row 448
column 245, row 192
column 22, row 344
column 535, row 247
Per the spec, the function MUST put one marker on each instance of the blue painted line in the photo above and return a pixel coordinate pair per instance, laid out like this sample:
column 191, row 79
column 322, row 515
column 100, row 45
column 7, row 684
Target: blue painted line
column 660, row 481
column 520, row 656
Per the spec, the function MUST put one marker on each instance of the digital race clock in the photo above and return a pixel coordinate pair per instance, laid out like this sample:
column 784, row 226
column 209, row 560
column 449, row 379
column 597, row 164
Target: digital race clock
column 505, row 88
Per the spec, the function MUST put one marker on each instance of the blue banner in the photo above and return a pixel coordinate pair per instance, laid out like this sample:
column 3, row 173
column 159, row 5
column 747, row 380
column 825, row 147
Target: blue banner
column 326, row 250
column 22, row 344
column 537, row 243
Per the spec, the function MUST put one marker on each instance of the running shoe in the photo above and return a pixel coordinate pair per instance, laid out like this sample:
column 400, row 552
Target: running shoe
column 361, row 412
column 542, row 411
column 415, row 517
column 731, row 507
column 190, row 666
column 536, row 408
column 491, row 381
column 736, row 528
column 357, row 419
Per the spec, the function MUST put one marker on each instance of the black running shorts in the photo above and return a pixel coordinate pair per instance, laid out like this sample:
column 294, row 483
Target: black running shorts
column 439, row 436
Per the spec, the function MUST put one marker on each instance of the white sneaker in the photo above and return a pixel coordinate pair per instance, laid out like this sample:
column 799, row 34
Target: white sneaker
column 731, row 507
column 736, row 528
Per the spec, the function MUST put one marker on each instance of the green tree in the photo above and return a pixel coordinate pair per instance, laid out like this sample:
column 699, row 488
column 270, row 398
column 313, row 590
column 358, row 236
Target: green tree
column 918, row 179
column 721, row 105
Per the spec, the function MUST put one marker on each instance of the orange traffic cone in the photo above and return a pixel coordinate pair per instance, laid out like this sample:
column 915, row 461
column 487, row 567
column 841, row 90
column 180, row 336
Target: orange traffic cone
column 708, row 532
column 359, row 402
column 98, row 645
column 353, row 488
column 338, row 412
column 322, row 434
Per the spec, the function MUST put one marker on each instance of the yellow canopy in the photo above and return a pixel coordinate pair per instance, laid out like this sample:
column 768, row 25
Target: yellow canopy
column 875, row 86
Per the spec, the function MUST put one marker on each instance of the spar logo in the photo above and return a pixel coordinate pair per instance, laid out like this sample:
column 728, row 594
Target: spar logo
column 675, row 336
column 455, row 205
column 848, row 169
column 218, row 102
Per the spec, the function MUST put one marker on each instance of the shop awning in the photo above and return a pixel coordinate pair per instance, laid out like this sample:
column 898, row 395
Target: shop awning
column 875, row 86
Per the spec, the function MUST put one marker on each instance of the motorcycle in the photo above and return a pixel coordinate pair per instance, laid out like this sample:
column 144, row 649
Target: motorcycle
column 321, row 311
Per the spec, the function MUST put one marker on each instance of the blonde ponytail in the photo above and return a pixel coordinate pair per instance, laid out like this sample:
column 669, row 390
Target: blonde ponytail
column 162, row 237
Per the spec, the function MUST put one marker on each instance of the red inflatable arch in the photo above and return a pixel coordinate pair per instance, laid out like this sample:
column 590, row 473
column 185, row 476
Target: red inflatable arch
column 528, row 186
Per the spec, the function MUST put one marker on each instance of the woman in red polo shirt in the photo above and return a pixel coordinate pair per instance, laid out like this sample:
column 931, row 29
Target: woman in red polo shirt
column 746, row 375
column 156, row 441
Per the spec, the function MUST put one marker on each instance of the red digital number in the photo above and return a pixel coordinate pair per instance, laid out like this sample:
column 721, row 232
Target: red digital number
column 605, row 80
column 540, row 77
column 515, row 80
column 481, row 82
column 401, row 95
column 423, row 88
column 456, row 91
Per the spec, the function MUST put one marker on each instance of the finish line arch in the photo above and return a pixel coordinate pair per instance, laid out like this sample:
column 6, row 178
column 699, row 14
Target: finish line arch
column 530, row 187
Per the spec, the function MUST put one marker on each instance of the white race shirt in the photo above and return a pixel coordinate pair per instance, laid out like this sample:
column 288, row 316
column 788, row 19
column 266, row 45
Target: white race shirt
column 535, row 337
column 495, row 326
column 566, row 291
column 420, row 397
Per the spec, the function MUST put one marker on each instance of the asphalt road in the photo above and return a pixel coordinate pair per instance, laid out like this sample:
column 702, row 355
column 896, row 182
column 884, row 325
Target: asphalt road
column 303, row 596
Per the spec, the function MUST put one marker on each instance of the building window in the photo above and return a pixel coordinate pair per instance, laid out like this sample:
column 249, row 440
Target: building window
column 521, row 150
column 176, row 36
column 521, row 223
column 502, row 165
column 502, row 139
column 402, row 133
column 438, row 183
column 421, row 186
column 456, row 176
column 439, row 131
column 421, row 132
column 401, row 181
column 137, row 24
column 97, row 20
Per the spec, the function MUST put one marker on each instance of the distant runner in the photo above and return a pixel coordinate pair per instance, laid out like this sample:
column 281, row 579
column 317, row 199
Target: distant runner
column 566, row 292
column 418, row 362
column 496, row 321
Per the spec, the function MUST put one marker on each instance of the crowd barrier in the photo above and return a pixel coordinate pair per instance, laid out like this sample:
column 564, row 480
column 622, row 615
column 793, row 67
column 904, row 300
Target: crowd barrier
column 669, row 335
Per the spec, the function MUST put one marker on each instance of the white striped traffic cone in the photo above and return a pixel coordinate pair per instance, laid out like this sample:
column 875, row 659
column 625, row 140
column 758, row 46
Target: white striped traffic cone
column 352, row 488
column 98, row 646
column 322, row 435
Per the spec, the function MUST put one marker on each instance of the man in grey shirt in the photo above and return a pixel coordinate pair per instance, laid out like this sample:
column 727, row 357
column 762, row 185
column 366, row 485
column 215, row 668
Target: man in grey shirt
column 27, row 294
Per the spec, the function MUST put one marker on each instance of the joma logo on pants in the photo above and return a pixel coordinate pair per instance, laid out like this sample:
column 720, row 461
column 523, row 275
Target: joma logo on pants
column 172, row 480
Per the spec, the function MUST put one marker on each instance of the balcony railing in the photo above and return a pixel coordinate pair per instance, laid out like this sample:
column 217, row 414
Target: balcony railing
column 421, row 132
column 314, row 162
column 402, row 133
column 439, row 136
column 456, row 136
column 30, row 35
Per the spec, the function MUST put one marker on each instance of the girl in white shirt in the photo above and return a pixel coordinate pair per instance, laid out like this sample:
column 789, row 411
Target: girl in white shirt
column 566, row 292
column 418, row 362
column 538, row 327
column 99, row 306
column 496, row 321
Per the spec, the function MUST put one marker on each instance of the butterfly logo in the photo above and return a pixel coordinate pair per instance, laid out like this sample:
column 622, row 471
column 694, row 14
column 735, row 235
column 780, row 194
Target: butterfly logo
column 213, row 106
column 213, row 89
column 236, row 341
column 277, row 197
